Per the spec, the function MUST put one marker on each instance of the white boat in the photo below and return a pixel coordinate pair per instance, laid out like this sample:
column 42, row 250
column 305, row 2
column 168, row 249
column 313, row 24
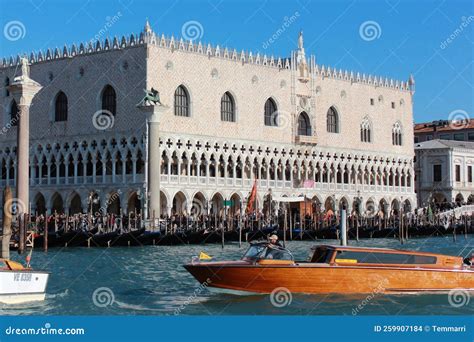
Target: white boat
column 20, row 284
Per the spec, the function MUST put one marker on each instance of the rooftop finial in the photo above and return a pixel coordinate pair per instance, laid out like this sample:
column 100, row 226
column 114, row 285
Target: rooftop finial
column 411, row 84
column 147, row 28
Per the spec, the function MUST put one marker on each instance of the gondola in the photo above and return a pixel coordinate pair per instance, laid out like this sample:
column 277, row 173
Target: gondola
column 103, row 239
column 72, row 238
column 129, row 238
column 150, row 238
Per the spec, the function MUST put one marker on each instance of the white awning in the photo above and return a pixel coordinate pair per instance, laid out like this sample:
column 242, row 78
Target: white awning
column 287, row 199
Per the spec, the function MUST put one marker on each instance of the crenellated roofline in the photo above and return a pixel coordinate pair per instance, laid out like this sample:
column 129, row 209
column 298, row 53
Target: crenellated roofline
column 148, row 37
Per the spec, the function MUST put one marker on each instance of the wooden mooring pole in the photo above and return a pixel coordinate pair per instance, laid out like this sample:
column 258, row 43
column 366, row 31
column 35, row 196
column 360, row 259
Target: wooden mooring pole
column 240, row 227
column 465, row 227
column 22, row 228
column 454, row 228
column 7, row 223
column 45, row 233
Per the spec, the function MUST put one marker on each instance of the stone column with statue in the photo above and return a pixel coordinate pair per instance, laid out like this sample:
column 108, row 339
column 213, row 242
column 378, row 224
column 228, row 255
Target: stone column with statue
column 153, row 108
column 23, row 90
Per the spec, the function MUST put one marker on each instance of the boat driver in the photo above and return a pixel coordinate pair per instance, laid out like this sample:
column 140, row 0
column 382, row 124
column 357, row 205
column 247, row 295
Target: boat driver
column 273, row 239
column 273, row 249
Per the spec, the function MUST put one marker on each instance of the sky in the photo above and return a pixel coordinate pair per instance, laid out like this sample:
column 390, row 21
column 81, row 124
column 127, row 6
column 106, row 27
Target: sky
column 433, row 40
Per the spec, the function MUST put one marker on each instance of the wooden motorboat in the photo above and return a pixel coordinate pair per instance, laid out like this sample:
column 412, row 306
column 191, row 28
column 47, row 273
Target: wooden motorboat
column 19, row 284
column 336, row 269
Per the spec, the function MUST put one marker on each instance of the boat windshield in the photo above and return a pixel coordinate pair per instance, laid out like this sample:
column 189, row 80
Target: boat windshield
column 321, row 255
column 267, row 251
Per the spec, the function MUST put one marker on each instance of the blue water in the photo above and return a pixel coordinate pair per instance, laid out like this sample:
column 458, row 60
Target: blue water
column 150, row 280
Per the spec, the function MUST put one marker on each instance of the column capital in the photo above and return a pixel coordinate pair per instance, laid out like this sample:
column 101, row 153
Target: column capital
column 23, row 88
column 153, row 112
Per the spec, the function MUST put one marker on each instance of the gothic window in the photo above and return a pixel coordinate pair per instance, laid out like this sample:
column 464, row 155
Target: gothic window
column 304, row 127
column 365, row 131
column 109, row 100
column 6, row 84
column 397, row 134
column 181, row 101
column 14, row 114
column 60, row 107
column 332, row 120
column 271, row 114
column 227, row 107
column 437, row 173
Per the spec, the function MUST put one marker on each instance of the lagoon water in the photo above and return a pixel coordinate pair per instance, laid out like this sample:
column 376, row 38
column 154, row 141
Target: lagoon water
column 150, row 280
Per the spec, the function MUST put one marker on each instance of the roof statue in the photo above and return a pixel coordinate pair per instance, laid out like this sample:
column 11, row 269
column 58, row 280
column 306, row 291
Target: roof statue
column 300, row 41
column 300, row 57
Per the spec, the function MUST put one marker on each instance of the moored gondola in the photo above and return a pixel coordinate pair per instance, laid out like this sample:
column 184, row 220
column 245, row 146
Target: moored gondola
column 103, row 239
column 150, row 237
column 129, row 238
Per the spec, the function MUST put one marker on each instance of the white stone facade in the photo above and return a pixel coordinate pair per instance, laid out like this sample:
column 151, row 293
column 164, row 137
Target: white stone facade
column 444, row 171
column 205, row 159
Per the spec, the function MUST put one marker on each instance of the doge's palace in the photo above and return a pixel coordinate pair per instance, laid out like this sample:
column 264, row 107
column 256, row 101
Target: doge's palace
column 337, row 137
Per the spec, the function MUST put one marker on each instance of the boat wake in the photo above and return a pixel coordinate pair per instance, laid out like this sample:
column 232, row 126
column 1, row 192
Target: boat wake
column 57, row 295
column 127, row 306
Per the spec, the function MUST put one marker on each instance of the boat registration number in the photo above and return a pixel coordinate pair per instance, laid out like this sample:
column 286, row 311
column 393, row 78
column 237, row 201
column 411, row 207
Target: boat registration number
column 22, row 277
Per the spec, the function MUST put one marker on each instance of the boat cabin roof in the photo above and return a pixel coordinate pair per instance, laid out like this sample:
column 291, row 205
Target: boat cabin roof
column 373, row 250
column 370, row 255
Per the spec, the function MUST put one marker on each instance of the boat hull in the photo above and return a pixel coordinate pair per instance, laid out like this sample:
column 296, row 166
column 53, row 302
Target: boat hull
column 22, row 286
column 324, row 279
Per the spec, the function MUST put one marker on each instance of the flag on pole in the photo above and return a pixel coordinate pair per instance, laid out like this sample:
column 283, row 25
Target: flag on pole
column 204, row 256
column 252, row 198
column 430, row 213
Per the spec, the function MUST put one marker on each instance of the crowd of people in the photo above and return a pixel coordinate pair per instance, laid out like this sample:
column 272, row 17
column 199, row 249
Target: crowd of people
column 107, row 222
